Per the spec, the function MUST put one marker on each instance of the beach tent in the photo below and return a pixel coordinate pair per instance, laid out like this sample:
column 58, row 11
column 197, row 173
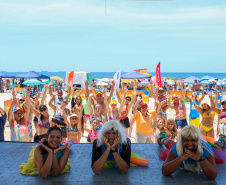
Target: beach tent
column 191, row 79
column 208, row 78
column 32, row 82
column 32, row 74
column 134, row 75
column 2, row 75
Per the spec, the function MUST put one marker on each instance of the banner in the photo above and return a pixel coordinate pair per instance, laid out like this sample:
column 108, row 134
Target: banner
column 116, row 79
column 70, row 77
column 7, row 105
column 189, row 93
column 145, row 94
column 141, row 70
column 158, row 76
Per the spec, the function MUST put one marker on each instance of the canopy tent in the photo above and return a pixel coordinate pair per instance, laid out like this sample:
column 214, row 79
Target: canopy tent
column 2, row 75
column 134, row 75
column 191, row 79
column 32, row 82
column 208, row 78
column 32, row 74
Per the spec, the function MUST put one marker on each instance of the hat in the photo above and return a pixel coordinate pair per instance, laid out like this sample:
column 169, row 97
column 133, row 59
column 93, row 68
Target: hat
column 205, row 102
column 161, row 89
column 99, row 92
column 16, row 109
column 113, row 102
column 73, row 115
column 223, row 102
column 144, row 105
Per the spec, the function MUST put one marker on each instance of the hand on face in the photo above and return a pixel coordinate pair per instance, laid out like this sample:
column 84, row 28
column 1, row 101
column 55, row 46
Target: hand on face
column 45, row 147
column 61, row 148
column 105, row 141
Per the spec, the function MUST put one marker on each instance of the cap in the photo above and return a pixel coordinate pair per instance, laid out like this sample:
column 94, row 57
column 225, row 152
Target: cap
column 113, row 102
column 73, row 115
column 144, row 105
column 223, row 102
column 161, row 89
column 17, row 109
column 99, row 92
column 205, row 102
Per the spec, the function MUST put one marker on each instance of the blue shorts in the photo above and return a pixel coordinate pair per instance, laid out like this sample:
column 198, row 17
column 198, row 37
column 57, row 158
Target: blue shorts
column 181, row 122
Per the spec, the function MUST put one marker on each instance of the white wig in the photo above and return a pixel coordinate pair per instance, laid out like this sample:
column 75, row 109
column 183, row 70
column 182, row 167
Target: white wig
column 111, row 125
column 194, row 132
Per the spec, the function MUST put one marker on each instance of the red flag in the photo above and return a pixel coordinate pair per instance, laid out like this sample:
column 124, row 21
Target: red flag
column 158, row 76
column 70, row 77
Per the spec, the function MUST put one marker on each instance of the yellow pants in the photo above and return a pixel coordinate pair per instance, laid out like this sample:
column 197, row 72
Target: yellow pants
column 195, row 122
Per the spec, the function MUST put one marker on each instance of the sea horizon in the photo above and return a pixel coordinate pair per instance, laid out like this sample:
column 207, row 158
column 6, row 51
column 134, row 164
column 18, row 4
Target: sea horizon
column 98, row 75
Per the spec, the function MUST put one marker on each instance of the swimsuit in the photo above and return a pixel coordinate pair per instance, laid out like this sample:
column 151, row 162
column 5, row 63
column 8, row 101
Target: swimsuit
column 45, row 125
column 100, row 121
column 20, row 132
column 58, row 116
column 93, row 134
column 70, row 129
column 212, row 114
column 207, row 129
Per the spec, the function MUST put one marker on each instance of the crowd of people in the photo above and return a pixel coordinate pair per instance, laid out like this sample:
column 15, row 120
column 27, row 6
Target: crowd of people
column 109, row 124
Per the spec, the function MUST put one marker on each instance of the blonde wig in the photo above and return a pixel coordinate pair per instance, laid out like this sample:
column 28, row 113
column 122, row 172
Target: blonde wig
column 111, row 125
column 194, row 132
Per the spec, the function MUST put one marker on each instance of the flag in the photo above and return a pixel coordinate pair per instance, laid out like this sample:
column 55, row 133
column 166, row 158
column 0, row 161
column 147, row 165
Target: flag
column 141, row 70
column 158, row 76
column 71, row 77
column 116, row 79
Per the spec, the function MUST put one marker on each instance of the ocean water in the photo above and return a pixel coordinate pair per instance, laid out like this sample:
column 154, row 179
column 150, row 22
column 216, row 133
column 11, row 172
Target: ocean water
column 97, row 75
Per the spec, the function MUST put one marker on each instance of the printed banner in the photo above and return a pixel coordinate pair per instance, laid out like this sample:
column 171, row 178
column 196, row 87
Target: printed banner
column 189, row 93
column 116, row 79
column 145, row 94
column 158, row 76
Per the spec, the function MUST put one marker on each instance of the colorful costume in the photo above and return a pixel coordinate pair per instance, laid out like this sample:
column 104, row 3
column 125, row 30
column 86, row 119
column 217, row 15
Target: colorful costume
column 29, row 168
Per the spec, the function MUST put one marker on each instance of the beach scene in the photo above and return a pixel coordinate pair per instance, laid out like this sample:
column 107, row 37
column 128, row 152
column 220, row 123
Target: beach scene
column 138, row 86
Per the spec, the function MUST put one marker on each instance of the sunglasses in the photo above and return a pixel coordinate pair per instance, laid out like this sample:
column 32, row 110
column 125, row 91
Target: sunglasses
column 74, row 118
column 42, row 110
column 127, row 99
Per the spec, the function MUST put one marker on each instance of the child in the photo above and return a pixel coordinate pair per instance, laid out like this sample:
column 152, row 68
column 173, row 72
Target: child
column 161, row 129
column 93, row 132
column 171, row 126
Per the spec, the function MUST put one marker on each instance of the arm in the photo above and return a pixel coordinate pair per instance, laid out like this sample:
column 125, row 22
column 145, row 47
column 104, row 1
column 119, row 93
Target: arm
column 158, row 107
column 111, row 92
column 44, row 95
column 69, row 92
column 50, row 88
column 182, row 92
column 106, row 103
column 99, row 160
column 87, row 89
column 59, row 164
column 118, row 96
column 167, row 89
column 42, row 166
column 135, row 111
column 89, row 105
column 186, row 95
column 51, row 102
column 133, row 98
column 10, row 113
column 200, row 99
column 196, row 106
column 151, row 91
column 172, row 163
column 26, row 115
column 123, row 101
column 65, row 117
column 211, row 101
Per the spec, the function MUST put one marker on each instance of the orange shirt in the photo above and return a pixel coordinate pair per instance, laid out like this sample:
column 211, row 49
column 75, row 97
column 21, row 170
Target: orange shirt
column 143, row 124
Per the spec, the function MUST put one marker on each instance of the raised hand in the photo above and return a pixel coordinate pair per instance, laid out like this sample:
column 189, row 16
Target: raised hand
column 201, row 88
column 86, row 83
column 167, row 96
column 187, row 89
column 139, row 99
column 210, row 94
column 135, row 90
column 54, row 93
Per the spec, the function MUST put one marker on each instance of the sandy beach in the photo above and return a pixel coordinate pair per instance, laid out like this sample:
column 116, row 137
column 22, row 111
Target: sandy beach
column 170, row 114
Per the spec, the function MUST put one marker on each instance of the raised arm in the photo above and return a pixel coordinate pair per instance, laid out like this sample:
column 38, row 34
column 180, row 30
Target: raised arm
column 10, row 113
column 51, row 101
column 26, row 115
column 89, row 104
column 50, row 88
column 106, row 103
column 118, row 96
column 182, row 92
column 44, row 95
column 69, row 91
column 87, row 88
column 111, row 92
column 135, row 111
column 196, row 106
column 123, row 101
column 133, row 98
column 167, row 89
column 151, row 91
column 200, row 99
column 211, row 101
column 186, row 95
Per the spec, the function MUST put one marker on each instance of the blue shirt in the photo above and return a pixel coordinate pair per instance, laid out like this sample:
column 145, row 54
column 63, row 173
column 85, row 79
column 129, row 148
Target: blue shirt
column 2, row 126
column 191, row 164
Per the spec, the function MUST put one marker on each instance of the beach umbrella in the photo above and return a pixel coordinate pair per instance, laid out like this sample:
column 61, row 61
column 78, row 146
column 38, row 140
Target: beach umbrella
column 31, row 74
column 2, row 75
column 32, row 82
column 221, row 82
column 170, row 81
column 205, row 82
column 191, row 79
column 208, row 78
column 56, row 78
column 45, row 81
column 180, row 81
column 212, row 80
column 224, row 79
column 153, row 79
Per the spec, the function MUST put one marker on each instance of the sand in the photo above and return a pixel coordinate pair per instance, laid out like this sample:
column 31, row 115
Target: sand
column 170, row 114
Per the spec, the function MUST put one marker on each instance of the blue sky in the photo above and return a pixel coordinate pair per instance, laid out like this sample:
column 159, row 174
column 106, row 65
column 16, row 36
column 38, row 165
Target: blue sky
column 185, row 35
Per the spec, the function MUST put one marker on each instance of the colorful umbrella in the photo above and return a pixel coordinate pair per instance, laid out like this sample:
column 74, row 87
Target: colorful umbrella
column 56, row 78
column 180, row 81
column 170, row 81
column 32, row 82
column 205, row 82
column 104, row 80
